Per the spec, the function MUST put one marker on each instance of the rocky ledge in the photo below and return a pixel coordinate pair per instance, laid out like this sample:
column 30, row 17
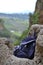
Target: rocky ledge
column 6, row 58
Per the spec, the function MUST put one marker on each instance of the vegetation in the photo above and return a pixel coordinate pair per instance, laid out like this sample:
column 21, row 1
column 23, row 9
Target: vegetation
column 3, row 32
column 24, row 34
column 14, row 28
column 17, row 29
column 34, row 18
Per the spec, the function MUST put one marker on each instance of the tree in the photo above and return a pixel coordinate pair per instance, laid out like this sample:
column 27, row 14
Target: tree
column 30, row 19
column 34, row 18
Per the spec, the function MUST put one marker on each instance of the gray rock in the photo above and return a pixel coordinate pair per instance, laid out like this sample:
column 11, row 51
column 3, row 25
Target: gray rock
column 4, row 54
column 7, row 59
column 16, row 61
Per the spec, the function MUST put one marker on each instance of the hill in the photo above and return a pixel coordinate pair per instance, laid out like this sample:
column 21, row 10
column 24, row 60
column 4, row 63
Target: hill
column 16, row 24
column 16, row 15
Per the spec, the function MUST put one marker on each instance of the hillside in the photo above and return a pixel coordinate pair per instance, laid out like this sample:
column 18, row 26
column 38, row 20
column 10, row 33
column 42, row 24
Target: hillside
column 16, row 15
column 16, row 24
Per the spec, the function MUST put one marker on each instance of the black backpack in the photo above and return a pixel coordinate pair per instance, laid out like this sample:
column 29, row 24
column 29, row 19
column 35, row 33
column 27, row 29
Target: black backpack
column 26, row 49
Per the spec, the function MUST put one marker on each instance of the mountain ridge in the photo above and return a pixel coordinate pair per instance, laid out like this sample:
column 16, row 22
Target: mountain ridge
column 16, row 15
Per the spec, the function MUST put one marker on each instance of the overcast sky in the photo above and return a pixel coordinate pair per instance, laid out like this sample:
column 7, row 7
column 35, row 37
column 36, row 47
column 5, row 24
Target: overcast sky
column 17, row 6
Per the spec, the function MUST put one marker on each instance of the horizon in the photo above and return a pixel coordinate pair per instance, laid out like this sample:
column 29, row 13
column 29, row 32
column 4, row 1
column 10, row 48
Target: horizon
column 16, row 13
column 17, row 6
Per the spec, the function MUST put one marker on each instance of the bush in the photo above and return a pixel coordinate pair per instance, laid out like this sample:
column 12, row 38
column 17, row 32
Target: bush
column 34, row 18
column 5, row 33
column 24, row 34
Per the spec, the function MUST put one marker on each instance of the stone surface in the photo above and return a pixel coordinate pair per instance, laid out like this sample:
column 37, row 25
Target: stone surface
column 6, row 41
column 8, row 59
column 16, row 61
column 39, row 48
column 39, row 42
column 35, row 28
column 4, row 54
column 38, row 29
column 39, row 8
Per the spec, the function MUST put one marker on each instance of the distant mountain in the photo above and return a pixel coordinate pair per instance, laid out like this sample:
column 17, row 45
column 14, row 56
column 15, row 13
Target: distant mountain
column 21, row 16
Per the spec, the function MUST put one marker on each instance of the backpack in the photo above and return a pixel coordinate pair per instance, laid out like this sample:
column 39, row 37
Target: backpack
column 26, row 49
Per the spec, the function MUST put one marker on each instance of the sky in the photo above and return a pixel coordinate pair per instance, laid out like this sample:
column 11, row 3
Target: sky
column 17, row 6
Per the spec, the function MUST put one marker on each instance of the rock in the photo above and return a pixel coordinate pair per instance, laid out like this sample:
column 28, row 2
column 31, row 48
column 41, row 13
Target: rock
column 34, row 29
column 38, row 59
column 16, row 61
column 4, row 54
column 41, row 32
column 8, row 59
column 40, row 40
column 38, row 29
column 39, row 8
column 6, row 41
column 39, row 44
